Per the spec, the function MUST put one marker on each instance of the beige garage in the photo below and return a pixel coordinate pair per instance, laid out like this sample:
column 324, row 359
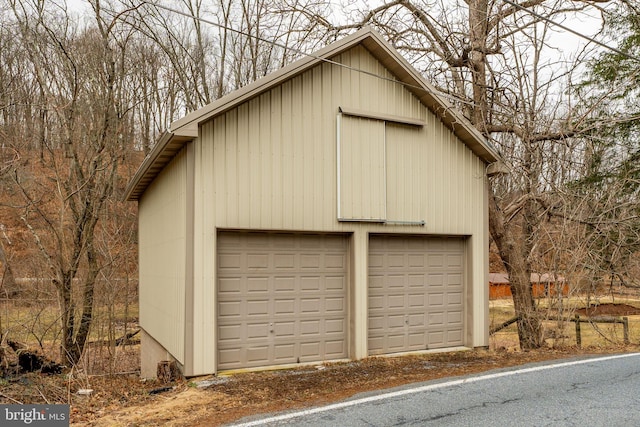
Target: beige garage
column 416, row 293
column 282, row 298
column 271, row 220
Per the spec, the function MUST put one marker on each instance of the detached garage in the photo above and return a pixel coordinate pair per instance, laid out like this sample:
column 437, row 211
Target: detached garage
column 333, row 210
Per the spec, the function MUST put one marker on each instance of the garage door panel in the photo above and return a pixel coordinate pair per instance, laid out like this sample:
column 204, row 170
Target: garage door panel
column 230, row 262
column 435, row 280
column 376, row 302
column 376, row 282
column 257, row 308
column 395, row 321
column 284, row 261
column 395, row 281
column 229, row 309
column 258, row 261
column 284, row 307
column 396, row 342
column 335, row 326
column 284, row 352
column 436, row 300
column 417, row 301
column 335, row 349
column 284, row 284
column 417, row 320
column 454, row 318
column 334, row 305
column 256, row 330
column 416, row 281
column 416, row 261
column 227, row 356
column 417, row 341
column 229, row 333
column 436, row 319
column 436, row 339
column 396, row 301
column 454, row 298
column 310, row 284
column 415, row 293
column 282, row 298
column 454, row 280
column 337, row 284
column 334, row 261
column 283, row 329
column 309, row 350
column 258, row 354
column 454, row 335
column 310, row 261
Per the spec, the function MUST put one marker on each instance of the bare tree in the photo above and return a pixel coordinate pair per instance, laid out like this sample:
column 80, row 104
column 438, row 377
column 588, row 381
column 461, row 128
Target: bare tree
column 490, row 58
column 78, row 72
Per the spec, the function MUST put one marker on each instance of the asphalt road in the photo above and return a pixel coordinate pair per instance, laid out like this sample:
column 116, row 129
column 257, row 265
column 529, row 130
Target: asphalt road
column 602, row 391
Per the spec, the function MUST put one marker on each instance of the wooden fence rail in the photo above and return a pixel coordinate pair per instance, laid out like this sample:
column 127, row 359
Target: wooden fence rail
column 624, row 321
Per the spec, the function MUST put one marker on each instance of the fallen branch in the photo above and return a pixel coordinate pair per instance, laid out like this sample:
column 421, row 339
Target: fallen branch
column 31, row 361
column 125, row 339
column 503, row 325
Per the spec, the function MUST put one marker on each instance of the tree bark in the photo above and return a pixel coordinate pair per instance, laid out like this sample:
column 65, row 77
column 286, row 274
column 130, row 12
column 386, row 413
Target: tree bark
column 515, row 254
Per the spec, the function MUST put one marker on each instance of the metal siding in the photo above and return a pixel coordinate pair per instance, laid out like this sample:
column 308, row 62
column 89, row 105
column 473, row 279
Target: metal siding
column 206, row 209
column 162, row 253
column 297, row 187
column 362, row 169
column 416, row 294
column 282, row 299
column 406, row 177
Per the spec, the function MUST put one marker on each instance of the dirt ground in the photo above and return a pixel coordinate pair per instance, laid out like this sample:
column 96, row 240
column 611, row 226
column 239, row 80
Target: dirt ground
column 125, row 400
column 609, row 309
column 227, row 399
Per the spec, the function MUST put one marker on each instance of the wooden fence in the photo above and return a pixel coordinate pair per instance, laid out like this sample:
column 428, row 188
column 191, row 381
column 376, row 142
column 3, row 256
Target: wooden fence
column 605, row 319
column 624, row 321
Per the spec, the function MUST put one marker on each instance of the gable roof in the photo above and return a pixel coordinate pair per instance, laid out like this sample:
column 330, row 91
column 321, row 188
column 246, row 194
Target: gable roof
column 186, row 128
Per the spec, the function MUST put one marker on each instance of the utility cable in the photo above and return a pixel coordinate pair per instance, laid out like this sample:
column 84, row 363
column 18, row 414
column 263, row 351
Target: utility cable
column 552, row 22
column 310, row 55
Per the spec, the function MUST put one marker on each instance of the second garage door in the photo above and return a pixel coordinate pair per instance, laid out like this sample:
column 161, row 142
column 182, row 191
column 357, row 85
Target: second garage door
column 282, row 298
column 416, row 293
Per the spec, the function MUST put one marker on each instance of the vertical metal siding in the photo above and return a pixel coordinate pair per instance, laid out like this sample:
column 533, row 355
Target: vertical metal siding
column 362, row 169
column 406, row 147
column 162, row 249
column 275, row 160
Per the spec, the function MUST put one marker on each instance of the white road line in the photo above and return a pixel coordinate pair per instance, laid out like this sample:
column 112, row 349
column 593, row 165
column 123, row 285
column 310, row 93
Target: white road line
column 421, row 389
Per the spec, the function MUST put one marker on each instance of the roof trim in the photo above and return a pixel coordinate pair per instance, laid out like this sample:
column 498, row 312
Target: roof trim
column 161, row 154
column 186, row 128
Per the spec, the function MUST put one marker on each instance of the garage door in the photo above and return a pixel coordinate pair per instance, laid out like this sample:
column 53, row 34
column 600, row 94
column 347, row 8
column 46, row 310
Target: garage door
column 282, row 298
column 416, row 293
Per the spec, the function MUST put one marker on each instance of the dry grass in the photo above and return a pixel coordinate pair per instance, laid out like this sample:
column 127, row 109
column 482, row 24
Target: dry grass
column 560, row 334
column 121, row 399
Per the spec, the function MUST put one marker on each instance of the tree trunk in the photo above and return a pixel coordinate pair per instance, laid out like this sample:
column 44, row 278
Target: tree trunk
column 7, row 280
column 514, row 254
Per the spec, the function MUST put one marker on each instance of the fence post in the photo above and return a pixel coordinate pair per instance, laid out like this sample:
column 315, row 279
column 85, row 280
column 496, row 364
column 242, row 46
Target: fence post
column 578, row 337
column 625, row 325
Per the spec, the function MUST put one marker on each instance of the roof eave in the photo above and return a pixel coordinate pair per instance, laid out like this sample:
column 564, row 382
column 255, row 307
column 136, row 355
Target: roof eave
column 161, row 154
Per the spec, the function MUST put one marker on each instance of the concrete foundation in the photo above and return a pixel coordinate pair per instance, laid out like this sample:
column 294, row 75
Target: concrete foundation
column 152, row 352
